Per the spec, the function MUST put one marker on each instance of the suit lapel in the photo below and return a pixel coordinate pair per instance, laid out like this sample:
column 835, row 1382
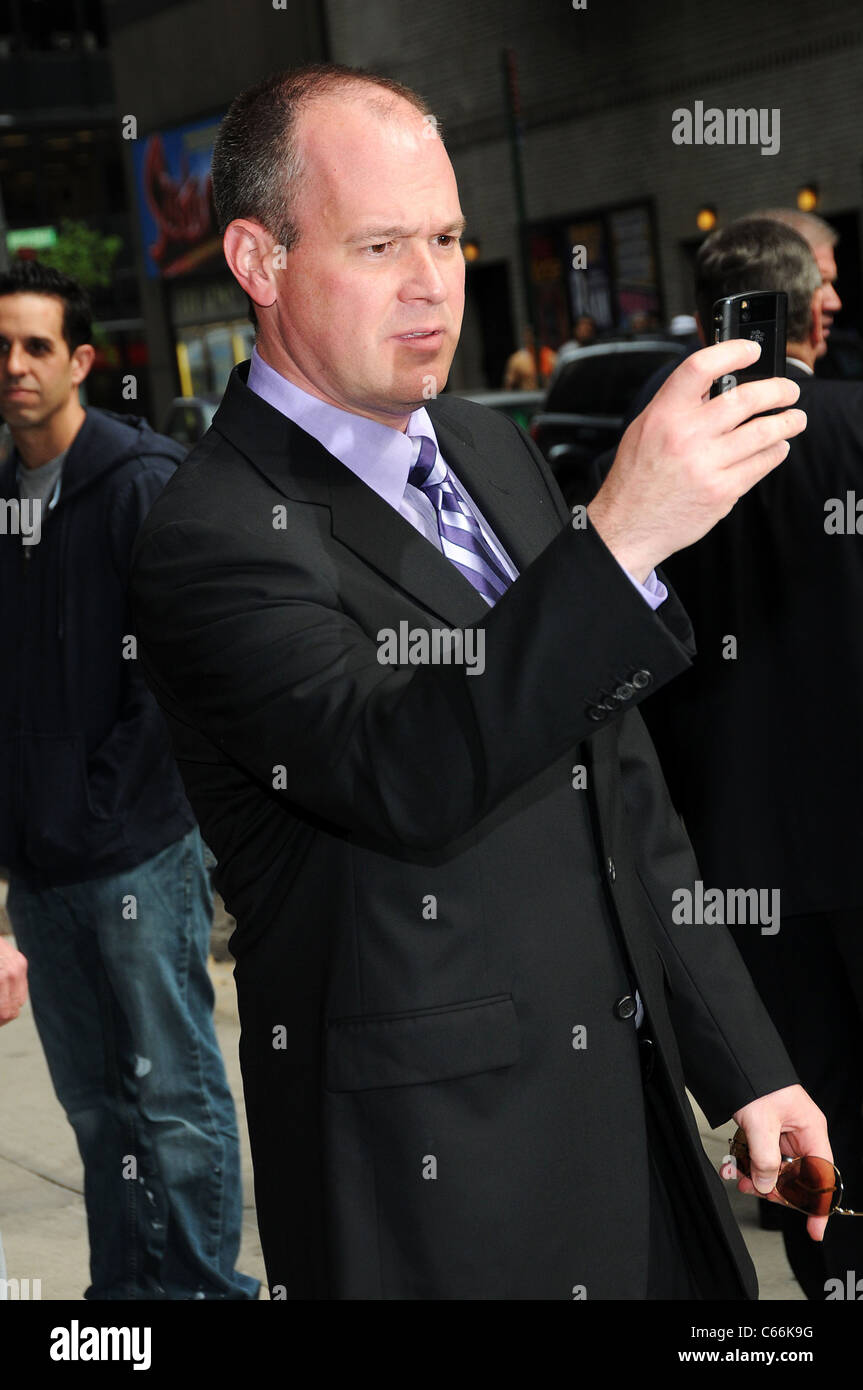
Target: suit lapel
column 375, row 531
column 506, row 489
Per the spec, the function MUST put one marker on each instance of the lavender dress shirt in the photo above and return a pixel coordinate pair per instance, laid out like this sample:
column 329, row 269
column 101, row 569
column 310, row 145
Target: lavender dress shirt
column 382, row 458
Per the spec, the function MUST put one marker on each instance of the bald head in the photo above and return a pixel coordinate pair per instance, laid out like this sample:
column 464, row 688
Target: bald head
column 257, row 159
column 352, row 143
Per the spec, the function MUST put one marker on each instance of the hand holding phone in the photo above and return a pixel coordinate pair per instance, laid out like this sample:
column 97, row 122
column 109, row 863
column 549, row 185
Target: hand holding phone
column 685, row 460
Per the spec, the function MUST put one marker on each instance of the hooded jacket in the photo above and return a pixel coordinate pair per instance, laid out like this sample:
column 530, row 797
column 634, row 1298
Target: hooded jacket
column 88, row 785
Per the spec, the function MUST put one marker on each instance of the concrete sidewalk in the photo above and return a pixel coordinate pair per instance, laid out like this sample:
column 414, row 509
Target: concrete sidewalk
column 42, row 1218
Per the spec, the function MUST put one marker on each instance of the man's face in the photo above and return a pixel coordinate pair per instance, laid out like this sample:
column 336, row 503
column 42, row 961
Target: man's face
column 830, row 301
column 38, row 374
column 370, row 303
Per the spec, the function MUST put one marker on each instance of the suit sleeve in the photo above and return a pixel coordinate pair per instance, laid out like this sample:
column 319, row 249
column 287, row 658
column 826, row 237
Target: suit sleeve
column 730, row 1050
column 248, row 642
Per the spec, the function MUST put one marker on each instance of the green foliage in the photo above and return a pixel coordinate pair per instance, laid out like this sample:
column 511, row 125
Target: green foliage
column 83, row 253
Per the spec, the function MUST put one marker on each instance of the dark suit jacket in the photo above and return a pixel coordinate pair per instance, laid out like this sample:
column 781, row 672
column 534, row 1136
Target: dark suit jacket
column 764, row 753
column 427, row 908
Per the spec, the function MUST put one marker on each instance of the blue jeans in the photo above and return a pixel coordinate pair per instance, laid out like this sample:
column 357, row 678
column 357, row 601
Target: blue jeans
column 124, row 1007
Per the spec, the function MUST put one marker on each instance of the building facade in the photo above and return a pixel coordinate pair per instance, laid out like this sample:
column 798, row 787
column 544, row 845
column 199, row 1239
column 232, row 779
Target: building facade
column 61, row 165
column 598, row 86
column 586, row 136
column 177, row 67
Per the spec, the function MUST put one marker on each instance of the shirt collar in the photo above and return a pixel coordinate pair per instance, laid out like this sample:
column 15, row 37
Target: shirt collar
column 379, row 456
column 803, row 365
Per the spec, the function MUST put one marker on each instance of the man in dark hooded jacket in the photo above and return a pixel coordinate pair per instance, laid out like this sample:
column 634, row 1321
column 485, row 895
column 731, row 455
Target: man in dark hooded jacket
column 109, row 897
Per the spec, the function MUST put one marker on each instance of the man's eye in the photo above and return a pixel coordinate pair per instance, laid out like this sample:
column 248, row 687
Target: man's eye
column 379, row 248
column 447, row 239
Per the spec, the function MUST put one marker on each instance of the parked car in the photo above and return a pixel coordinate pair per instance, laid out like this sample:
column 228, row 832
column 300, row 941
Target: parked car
column 520, row 406
column 190, row 417
column 587, row 401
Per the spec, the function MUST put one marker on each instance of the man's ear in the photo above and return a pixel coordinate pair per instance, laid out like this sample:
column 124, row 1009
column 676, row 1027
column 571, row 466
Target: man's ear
column 82, row 361
column 816, row 320
column 248, row 250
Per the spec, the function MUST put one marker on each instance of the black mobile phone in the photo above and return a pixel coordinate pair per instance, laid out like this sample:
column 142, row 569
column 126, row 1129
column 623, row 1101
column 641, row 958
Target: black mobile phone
column 759, row 315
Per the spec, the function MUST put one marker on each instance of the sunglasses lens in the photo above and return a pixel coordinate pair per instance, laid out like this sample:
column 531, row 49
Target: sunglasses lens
column 812, row 1185
column 809, row 1184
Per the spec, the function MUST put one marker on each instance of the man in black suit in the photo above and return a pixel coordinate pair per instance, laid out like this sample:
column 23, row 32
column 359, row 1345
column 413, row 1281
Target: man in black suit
column 401, row 681
column 761, row 740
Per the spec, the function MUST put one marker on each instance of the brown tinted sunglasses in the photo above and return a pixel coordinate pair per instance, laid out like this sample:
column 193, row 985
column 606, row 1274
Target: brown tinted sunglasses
column 808, row 1184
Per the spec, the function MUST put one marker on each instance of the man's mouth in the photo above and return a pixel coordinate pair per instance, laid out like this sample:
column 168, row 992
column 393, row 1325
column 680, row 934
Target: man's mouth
column 420, row 335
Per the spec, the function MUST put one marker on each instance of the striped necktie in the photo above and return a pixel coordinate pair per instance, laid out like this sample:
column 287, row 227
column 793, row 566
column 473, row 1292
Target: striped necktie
column 462, row 540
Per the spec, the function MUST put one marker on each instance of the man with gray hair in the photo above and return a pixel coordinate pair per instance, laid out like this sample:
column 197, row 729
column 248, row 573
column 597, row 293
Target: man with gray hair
column 822, row 239
column 756, row 253
column 761, row 742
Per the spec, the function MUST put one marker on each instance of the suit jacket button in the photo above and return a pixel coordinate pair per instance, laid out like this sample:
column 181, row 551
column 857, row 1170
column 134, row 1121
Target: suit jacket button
column 641, row 679
column 625, row 691
column 596, row 712
column 625, row 1007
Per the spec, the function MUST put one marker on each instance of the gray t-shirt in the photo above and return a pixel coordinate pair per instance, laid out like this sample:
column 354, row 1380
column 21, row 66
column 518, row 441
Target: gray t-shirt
column 43, row 483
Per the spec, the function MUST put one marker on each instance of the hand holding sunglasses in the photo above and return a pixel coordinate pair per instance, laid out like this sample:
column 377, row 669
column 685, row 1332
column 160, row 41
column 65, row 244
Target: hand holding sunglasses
column 805, row 1183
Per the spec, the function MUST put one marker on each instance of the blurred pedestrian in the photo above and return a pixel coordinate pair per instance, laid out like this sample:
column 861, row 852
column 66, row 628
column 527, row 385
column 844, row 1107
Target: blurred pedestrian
column 527, row 370
column 521, row 372
column 583, row 335
column 108, row 895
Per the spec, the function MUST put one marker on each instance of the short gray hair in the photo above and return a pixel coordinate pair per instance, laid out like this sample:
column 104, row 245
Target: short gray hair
column 757, row 253
column 812, row 229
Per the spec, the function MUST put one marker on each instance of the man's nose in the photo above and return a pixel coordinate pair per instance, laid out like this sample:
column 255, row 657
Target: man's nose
column 16, row 360
column 423, row 279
